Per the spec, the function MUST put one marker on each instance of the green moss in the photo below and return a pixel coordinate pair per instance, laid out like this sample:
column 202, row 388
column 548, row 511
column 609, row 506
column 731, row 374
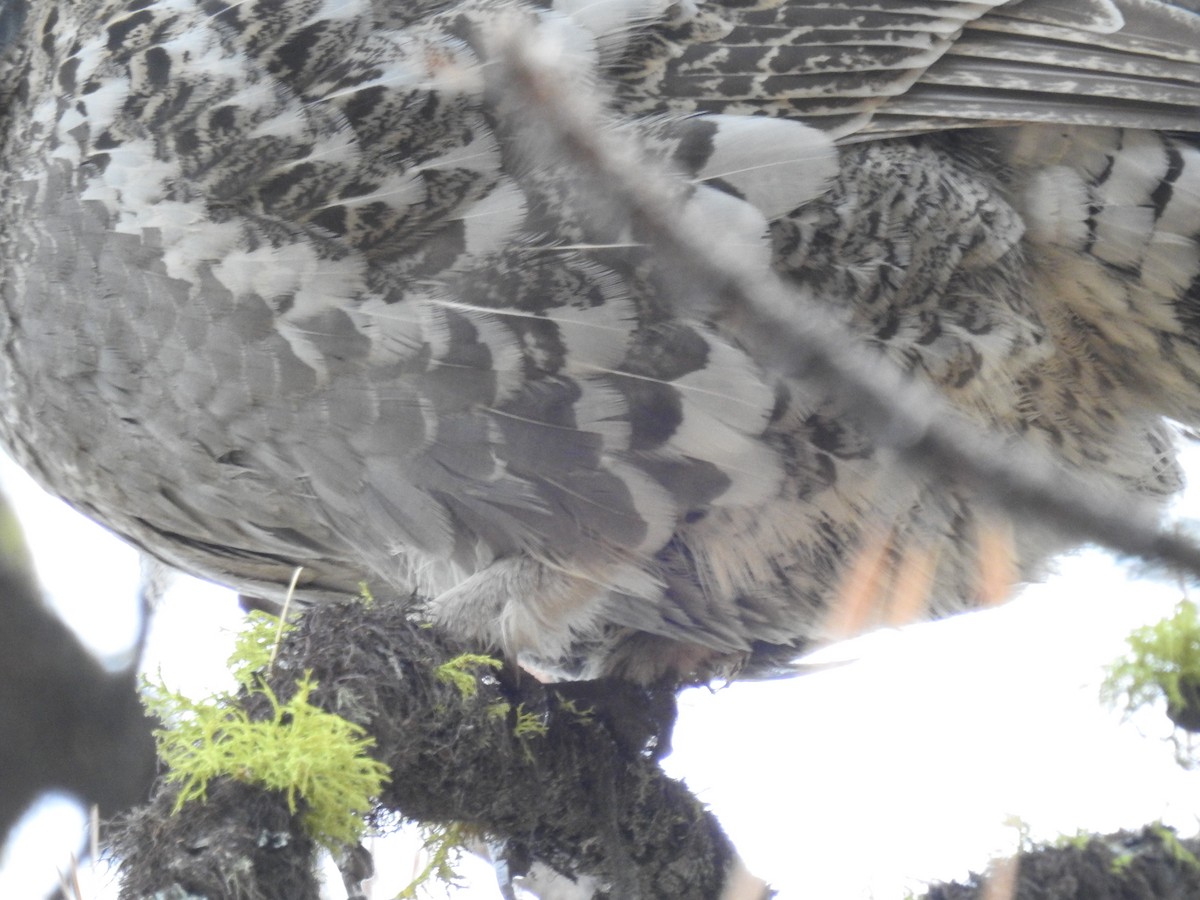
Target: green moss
column 1175, row 847
column 1164, row 661
column 463, row 671
column 255, row 646
column 571, row 707
column 312, row 756
column 364, row 591
column 1121, row 863
column 444, row 844
column 1077, row 841
column 499, row 709
column 528, row 724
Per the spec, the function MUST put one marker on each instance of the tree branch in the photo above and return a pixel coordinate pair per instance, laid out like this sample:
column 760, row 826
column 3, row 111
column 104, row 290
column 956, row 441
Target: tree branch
column 554, row 779
column 65, row 721
column 1150, row 865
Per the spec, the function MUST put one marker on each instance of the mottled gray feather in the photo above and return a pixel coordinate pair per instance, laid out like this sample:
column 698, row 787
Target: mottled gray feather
column 285, row 284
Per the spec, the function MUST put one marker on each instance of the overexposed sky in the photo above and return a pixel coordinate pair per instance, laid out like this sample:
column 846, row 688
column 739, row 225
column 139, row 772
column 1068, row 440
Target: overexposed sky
column 861, row 781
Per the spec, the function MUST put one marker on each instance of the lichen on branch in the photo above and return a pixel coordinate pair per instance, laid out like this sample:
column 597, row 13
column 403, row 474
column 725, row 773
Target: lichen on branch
column 552, row 779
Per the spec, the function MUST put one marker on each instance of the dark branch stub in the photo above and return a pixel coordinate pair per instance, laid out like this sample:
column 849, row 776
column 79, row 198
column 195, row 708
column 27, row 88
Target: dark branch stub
column 510, row 759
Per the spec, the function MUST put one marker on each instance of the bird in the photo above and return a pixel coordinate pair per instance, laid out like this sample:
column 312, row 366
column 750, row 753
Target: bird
column 300, row 284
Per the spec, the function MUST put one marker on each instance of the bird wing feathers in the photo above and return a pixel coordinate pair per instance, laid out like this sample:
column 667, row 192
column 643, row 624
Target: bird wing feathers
column 882, row 69
column 289, row 284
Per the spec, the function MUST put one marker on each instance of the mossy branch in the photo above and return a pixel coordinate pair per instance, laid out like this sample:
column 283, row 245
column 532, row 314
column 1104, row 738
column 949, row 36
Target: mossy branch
column 505, row 757
column 316, row 759
column 1163, row 663
column 1152, row 864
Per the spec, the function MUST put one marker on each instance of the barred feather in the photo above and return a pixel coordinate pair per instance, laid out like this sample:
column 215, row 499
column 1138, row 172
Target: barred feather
column 289, row 284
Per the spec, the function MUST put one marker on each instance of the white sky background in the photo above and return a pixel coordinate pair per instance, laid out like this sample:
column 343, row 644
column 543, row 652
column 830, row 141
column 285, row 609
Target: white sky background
column 858, row 782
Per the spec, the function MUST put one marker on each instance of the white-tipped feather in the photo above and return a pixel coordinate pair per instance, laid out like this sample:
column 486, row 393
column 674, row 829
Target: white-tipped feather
column 602, row 409
column 612, row 22
column 730, row 387
column 494, row 220
column 743, row 227
column 654, row 503
column 774, row 164
column 1096, row 16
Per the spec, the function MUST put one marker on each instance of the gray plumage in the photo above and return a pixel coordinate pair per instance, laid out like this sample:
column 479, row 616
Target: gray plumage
column 284, row 284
